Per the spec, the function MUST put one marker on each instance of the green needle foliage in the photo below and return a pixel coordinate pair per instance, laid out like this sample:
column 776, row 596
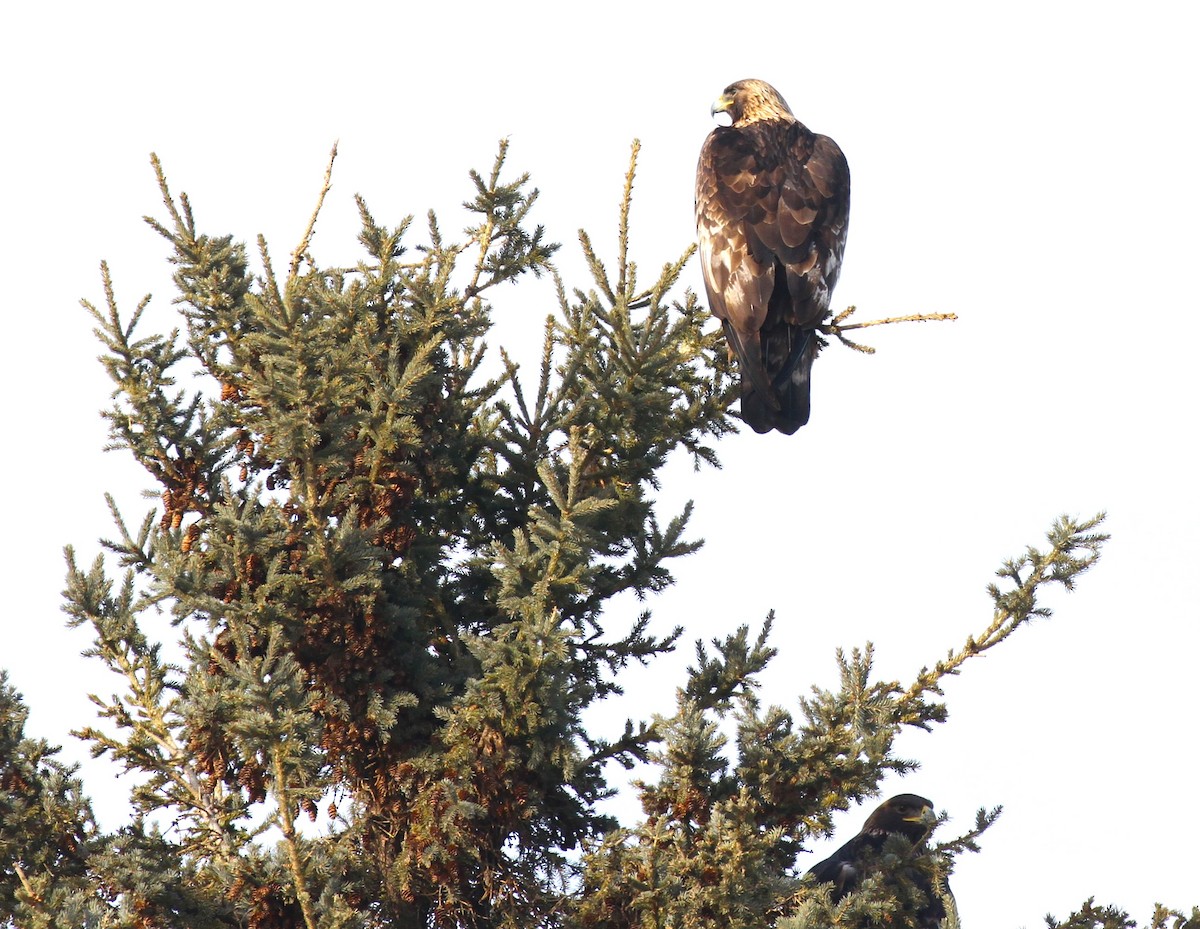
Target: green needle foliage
column 1090, row 916
column 388, row 554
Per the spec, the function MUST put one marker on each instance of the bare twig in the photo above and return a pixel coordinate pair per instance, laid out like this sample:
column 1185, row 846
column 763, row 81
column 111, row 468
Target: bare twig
column 302, row 248
column 835, row 328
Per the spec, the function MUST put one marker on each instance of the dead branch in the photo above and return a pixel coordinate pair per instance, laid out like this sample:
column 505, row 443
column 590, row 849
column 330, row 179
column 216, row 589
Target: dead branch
column 835, row 327
column 302, row 248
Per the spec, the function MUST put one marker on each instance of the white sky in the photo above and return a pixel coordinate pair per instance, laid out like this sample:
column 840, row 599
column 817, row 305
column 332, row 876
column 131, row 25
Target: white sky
column 1031, row 168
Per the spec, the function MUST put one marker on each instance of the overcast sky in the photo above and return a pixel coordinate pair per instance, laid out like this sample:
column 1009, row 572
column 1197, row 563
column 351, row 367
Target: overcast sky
column 1032, row 169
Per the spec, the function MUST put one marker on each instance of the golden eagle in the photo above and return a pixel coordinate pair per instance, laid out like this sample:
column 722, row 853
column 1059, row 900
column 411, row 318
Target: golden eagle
column 907, row 815
column 772, row 205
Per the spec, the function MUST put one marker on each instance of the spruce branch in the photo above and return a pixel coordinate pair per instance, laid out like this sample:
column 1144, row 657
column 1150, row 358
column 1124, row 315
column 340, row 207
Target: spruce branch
column 984, row 820
column 185, row 225
column 836, row 328
column 147, row 715
column 506, row 247
column 48, row 835
column 714, row 681
column 1074, row 548
column 273, row 297
column 666, row 280
column 485, row 203
column 1091, row 916
column 626, row 272
column 596, row 267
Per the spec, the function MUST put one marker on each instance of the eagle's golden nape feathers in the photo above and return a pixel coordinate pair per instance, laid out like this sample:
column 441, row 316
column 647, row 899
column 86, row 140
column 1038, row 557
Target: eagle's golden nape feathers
column 752, row 101
column 772, row 204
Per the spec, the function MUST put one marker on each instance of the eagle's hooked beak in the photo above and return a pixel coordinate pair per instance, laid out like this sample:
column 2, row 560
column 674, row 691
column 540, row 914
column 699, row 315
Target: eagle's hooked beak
column 927, row 817
column 723, row 104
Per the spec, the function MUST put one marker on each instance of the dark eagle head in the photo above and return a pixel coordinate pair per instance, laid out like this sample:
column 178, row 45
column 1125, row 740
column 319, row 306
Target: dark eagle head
column 912, row 816
column 751, row 102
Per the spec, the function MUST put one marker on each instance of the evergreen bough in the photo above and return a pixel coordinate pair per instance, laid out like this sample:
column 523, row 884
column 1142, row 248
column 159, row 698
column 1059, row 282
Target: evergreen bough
column 388, row 556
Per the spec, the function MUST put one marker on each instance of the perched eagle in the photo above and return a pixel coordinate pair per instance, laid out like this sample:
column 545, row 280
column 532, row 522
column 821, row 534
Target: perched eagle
column 772, row 204
column 910, row 816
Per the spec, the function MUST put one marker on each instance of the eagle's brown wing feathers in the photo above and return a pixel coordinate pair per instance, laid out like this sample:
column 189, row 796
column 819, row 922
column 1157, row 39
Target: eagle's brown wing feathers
column 772, row 202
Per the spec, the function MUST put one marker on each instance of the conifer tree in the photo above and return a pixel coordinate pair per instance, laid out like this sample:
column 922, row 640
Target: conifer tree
column 388, row 553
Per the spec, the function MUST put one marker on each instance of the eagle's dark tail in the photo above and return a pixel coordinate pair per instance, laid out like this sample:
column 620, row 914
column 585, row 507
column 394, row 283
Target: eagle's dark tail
column 784, row 361
column 759, row 404
column 756, row 410
column 789, row 352
column 775, row 368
